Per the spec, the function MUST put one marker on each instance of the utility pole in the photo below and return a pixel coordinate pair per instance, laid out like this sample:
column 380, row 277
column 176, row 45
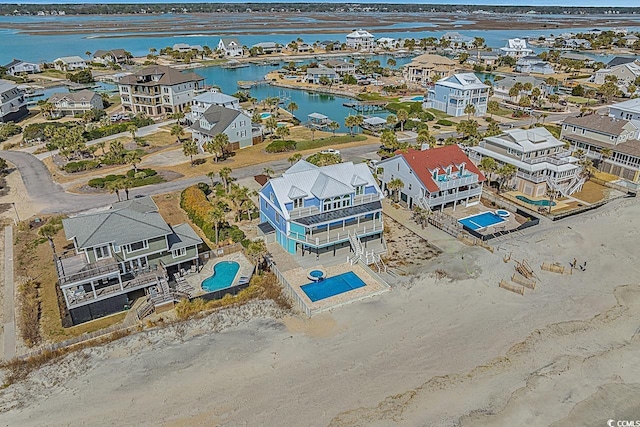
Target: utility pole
column 16, row 211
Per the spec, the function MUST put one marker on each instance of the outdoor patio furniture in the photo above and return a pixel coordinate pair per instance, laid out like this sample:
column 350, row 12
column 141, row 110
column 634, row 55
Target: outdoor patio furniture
column 193, row 268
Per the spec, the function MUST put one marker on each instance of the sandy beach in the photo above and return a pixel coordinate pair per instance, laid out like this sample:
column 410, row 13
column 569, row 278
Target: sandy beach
column 439, row 352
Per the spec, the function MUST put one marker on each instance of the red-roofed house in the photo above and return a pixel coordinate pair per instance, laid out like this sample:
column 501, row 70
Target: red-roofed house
column 435, row 177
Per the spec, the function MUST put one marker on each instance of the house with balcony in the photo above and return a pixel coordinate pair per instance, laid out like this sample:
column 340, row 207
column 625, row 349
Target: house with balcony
column 73, row 103
column 533, row 64
column 230, row 47
column 314, row 75
column 13, row 105
column 423, row 68
column 118, row 255
column 516, row 48
column 205, row 100
column 113, row 56
column 69, row 63
column 158, row 90
column 483, row 57
column 457, row 40
column 541, row 161
column 628, row 110
column 236, row 124
column 18, row 67
column 360, row 40
column 597, row 135
column 452, row 94
column 321, row 209
column 339, row 66
column 625, row 73
column 268, row 47
column 503, row 86
column 434, row 178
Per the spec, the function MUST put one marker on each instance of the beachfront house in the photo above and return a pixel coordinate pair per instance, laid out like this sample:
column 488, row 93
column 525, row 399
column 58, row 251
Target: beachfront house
column 452, row 94
column 433, row 178
column 113, row 56
column 516, row 48
column 360, row 40
column 423, row 68
column 268, row 47
column 75, row 103
column 625, row 73
column 236, row 124
column 205, row 100
column 321, row 209
column 340, row 66
column 69, row 63
column 541, row 161
column 13, row 105
column 387, row 43
column 628, row 110
column 18, row 67
column 230, row 47
column 184, row 48
column 119, row 254
column 158, row 90
column 533, row 64
column 315, row 75
column 618, row 138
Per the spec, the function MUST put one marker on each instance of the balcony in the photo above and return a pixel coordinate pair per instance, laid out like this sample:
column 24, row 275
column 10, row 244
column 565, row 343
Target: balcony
column 533, row 178
column 453, row 181
column 457, row 196
column 314, row 210
column 75, row 268
column 561, row 158
column 339, row 234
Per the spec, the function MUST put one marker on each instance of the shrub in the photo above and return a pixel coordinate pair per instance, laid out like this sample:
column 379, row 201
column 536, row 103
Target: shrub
column 81, row 165
column 445, row 122
column 35, row 131
column 29, row 312
column 280, row 146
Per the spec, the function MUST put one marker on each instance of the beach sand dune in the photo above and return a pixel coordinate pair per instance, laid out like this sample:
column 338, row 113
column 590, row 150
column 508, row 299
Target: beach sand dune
column 441, row 352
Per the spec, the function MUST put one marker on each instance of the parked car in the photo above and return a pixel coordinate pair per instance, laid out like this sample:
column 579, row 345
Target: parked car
column 117, row 117
column 330, row 151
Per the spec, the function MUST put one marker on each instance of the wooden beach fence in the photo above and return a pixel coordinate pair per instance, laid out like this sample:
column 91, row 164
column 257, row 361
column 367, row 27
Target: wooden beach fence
column 555, row 268
column 525, row 269
column 531, row 284
column 513, row 288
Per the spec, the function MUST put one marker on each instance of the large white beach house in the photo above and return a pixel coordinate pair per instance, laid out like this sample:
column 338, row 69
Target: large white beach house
column 454, row 93
column 516, row 48
column 360, row 40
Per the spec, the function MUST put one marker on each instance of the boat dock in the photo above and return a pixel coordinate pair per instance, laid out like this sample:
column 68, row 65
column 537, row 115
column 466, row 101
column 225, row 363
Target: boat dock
column 246, row 84
column 362, row 107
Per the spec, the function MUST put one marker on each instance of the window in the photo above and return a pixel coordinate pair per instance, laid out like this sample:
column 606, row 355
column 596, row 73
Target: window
column 359, row 190
column 102, row 252
column 277, row 217
column 177, row 253
column 137, row 246
column 298, row 203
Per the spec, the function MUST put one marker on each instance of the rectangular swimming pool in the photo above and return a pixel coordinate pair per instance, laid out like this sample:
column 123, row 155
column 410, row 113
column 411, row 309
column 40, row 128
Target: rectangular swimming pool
column 332, row 286
column 482, row 220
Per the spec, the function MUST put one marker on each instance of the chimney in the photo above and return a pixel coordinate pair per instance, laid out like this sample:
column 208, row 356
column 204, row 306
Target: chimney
column 424, row 146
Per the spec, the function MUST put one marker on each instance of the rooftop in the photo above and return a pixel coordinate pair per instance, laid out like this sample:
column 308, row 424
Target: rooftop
column 599, row 123
column 79, row 96
column 220, row 116
column 159, row 75
column 462, row 81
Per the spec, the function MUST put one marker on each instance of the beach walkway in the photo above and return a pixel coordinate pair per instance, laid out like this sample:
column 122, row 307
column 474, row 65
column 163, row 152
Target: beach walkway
column 8, row 315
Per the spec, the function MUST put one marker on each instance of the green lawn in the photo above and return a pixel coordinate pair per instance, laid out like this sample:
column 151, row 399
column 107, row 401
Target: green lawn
column 553, row 129
column 331, row 140
column 580, row 100
column 503, row 112
column 376, row 97
column 438, row 114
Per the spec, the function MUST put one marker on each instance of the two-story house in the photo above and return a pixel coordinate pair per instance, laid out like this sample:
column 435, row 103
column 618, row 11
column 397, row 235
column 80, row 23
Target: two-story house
column 72, row 103
column 268, row 48
column 119, row 253
column 541, row 161
column 434, row 178
column 502, row 87
column 619, row 138
column 113, row 56
column 314, row 75
column 628, row 110
column 625, row 73
column 533, row 64
column 320, row 209
column 17, row 67
column 205, row 100
column 457, row 40
column 423, row 68
column 339, row 66
column 452, row 94
column 360, row 40
column 13, row 105
column 236, row 124
column 516, row 48
column 230, row 46
column 69, row 63
column 158, row 90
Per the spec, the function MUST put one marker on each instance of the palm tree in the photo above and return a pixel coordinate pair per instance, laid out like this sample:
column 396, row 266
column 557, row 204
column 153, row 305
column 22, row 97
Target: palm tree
column 506, row 172
column 605, row 153
column 101, row 146
column 395, row 185
column 392, row 119
column 225, row 175
column 292, row 107
column 177, row 131
column 132, row 129
column 218, row 145
column 492, row 108
column 295, row 158
column 488, row 166
column 271, row 123
column 88, row 53
column 402, row 115
column 257, row 251
column 268, row 172
column 216, row 217
column 46, row 108
column 211, row 175
column 282, row 131
column 424, row 137
column 350, row 122
column 469, row 109
column 113, row 187
column 133, row 158
column 190, row 149
column 333, row 127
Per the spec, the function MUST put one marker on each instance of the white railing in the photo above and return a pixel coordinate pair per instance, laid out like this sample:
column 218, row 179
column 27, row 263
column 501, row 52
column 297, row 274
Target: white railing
column 372, row 226
column 288, row 289
column 534, row 178
column 313, row 210
column 455, row 182
column 459, row 196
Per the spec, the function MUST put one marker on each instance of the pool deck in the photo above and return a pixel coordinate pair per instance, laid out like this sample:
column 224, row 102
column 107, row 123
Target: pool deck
column 509, row 222
column 195, row 279
column 560, row 202
column 297, row 277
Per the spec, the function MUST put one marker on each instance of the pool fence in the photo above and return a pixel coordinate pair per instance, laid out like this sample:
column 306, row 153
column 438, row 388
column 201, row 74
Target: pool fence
column 288, row 289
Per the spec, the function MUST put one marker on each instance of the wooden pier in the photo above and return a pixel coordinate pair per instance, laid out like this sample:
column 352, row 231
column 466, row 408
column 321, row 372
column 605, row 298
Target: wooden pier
column 362, row 107
column 245, row 84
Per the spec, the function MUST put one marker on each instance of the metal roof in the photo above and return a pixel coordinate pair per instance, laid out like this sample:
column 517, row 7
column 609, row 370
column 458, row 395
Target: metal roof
column 339, row 213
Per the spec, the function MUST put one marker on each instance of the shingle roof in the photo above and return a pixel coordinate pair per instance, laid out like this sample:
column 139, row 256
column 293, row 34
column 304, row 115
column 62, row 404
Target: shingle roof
column 432, row 59
column 619, row 60
column 424, row 162
column 226, row 41
column 221, row 116
column 183, row 236
column 68, row 59
column 630, row 146
column 599, row 123
column 79, row 96
column 126, row 222
column 12, row 63
column 168, row 76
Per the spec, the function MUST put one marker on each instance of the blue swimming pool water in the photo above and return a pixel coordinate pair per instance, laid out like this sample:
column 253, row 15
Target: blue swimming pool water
column 332, row 286
column 265, row 115
column 535, row 202
column 316, row 273
column 482, row 220
column 223, row 274
column 418, row 98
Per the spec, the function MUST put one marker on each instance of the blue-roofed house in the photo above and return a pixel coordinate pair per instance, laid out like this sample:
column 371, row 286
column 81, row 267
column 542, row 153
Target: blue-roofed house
column 321, row 209
column 452, row 94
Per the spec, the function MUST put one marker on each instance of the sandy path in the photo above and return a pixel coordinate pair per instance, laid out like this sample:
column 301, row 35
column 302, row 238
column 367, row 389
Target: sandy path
column 340, row 368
